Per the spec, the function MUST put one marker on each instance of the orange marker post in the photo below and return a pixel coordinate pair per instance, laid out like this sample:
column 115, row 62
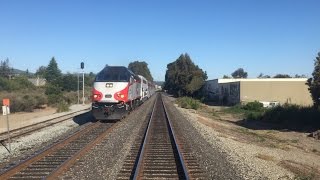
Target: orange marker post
column 6, row 105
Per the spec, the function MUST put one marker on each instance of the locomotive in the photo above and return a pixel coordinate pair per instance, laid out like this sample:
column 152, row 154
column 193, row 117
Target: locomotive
column 116, row 91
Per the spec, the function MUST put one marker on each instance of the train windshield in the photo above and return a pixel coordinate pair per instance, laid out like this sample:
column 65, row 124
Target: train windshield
column 113, row 74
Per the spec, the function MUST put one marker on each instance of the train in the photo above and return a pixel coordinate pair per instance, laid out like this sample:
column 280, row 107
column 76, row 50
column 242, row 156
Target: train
column 117, row 91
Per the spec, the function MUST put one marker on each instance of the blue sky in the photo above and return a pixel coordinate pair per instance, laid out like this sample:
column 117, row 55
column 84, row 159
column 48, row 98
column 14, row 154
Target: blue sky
column 268, row 36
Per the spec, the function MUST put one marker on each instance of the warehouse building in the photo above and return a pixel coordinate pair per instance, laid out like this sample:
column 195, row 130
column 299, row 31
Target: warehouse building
column 280, row 90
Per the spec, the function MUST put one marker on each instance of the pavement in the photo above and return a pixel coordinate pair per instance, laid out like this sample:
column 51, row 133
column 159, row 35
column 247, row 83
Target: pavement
column 18, row 120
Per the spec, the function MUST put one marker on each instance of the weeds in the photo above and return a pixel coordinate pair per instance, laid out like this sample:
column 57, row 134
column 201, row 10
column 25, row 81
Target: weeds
column 265, row 157
column 62, row 107
column 293, row 116
column 288, row 116
column 188, row 103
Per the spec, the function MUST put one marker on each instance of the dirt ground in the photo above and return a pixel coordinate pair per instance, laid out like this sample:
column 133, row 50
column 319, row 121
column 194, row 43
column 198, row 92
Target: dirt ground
column 294, row 151
column 20, row 119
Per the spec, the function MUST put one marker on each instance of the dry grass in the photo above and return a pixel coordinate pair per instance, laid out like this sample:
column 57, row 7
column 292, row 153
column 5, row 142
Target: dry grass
column 302, row 171
column 265, row 157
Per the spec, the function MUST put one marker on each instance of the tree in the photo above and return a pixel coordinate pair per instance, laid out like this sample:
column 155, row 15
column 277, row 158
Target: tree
column 41, row 72
column 261, row 75
column 314, row 83
column 239, row 73
column 53, row 73
column 282, row 76
column 5, row 70
column 226, row 77
column 300, row 76
column 70, row 82
column 183, row 77
column 89, row 79
column 141, row 68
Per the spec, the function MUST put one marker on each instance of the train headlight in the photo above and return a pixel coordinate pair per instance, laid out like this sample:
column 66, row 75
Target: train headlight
column 96, row 95
column 120, row 95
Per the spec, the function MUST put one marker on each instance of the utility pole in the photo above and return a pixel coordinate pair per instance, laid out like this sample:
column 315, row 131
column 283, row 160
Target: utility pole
column 78, row 86
column 82, row 67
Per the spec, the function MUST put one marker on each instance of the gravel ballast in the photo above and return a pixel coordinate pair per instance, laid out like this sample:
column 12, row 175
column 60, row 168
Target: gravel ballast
column 25, row 146
column 106, row 159
column 240, row 156
column 206, row 147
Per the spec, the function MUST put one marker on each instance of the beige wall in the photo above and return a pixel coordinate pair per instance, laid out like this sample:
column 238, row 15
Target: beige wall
column 293, row 92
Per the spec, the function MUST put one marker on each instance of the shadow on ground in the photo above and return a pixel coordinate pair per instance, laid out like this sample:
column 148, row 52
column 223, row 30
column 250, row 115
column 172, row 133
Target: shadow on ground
column 283, row 127
column 84, row 118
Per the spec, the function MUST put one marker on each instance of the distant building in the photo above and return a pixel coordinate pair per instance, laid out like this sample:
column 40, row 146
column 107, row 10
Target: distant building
column 38, row 81
column 282, row 90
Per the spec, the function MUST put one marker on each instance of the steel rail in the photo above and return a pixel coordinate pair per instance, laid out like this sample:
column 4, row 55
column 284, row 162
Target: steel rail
column 138, row 168
column 53, row 148
column 73, row 159
column 182, row 162
column 33, row 127
column 140, row 159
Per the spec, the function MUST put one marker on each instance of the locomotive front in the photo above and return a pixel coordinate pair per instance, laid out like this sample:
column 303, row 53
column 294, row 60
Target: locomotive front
column 114, row 91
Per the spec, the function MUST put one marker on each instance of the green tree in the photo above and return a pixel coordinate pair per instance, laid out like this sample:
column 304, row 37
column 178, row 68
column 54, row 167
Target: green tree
column 226, row 77
column 89, row 79
column 41, row 72
column 53, row 74
column 183, row 77
column 239, row 73
column 261, row 75
column 69, row 82
column 140, row 68
column 314, row 82
column 5, row 70
column 300, row 76
column 282, row 76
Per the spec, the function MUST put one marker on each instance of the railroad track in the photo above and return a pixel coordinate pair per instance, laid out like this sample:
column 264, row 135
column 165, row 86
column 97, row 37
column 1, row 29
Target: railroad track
column 157, row 154
column 15, row 133
column 56, row 159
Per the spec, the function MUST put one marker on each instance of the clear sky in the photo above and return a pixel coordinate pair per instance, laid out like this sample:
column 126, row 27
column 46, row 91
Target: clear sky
column 268, row 36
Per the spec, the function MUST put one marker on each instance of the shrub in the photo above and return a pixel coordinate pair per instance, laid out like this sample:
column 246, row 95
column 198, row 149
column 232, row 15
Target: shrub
column 24, row 101
column 41, row 100
column 62, row 107
column 71, row 97
column 293, row 116
column 253, row 106
column 254, row 115
column 54, row 99
column 188, row 103
column 52, row 89
column 15, row 84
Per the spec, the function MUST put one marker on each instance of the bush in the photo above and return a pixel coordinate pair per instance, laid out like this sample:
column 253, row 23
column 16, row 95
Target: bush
column 54, row 99
column 15, row 84
column 71, row 97
column 24, row 101
column 253, row 106
column 52, row 89
column 293, row 116
column 254, row 115
column 188, row 103
column 62, row 107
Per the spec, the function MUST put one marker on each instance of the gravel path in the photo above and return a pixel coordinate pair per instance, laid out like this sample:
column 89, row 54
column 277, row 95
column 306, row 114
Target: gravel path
column 106, row 159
